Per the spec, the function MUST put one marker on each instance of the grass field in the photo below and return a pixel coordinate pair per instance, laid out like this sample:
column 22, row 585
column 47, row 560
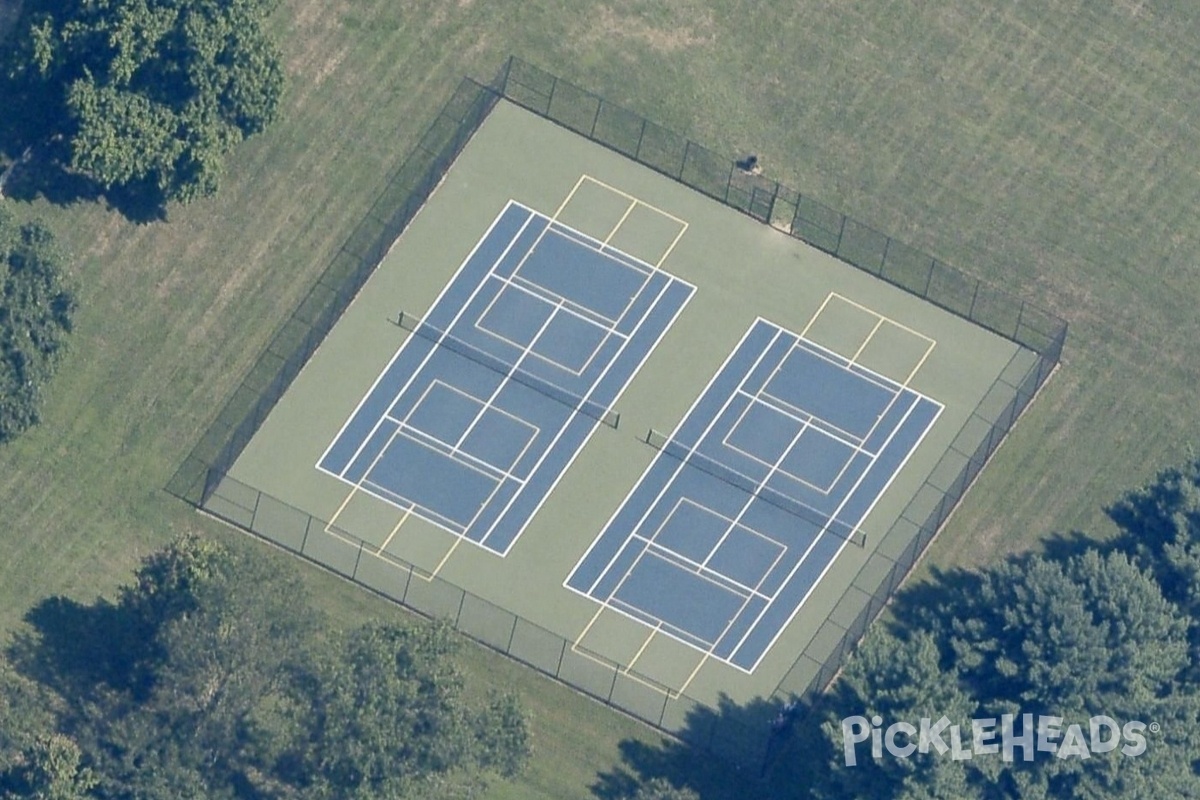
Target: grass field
column 1051, row 148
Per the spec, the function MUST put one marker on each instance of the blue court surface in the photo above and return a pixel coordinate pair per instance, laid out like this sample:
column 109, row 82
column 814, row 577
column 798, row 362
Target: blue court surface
column 750, row 500
column 493, row 395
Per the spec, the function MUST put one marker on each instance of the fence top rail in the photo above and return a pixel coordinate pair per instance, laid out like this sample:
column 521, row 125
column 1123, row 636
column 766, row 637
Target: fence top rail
column 204, row 473
column 743, row 189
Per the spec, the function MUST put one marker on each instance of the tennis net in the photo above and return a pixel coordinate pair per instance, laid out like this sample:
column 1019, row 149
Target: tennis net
column 590, row 408
column 723, row 472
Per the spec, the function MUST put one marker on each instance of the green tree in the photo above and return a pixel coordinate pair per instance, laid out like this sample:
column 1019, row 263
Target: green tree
column 895, row 679
column 223, row 630
column 50, row 769
column 1079, row 637
column 149, row 95
column 28, row 711
column 36, row 308
column 661, row 789
column 390, row 719
column 1161, row 522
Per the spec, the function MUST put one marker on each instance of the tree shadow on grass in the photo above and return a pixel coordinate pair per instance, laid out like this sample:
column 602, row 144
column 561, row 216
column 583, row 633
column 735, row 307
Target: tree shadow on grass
column 730, row 752
column 74, row 648
column 41, row 163
column 44, row 176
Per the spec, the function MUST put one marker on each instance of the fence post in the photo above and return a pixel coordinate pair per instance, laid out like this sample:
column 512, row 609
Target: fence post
column 512, row 635
column 683, row 163
column 729, row 181
column 561, row 654
column 357, row 559
column 1020, row 316
column 637, row 153
column 929, row 278
column 596, row 118
column 304, row 539
column 550, row 97
column 974, row 297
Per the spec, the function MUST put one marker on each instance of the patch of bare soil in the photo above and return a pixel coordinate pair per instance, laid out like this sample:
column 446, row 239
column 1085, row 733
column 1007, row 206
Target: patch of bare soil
column 690, row 27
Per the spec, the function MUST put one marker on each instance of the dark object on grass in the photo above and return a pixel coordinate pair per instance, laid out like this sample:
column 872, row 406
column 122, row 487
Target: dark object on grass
column 749, row 164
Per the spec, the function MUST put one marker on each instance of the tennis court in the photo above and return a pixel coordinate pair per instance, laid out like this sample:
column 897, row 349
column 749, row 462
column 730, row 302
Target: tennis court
column 501, row 384
column 754, row 495
column 493, row 381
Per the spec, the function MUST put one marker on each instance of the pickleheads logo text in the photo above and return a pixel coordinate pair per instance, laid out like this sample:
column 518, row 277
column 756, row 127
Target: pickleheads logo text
column 985, row 737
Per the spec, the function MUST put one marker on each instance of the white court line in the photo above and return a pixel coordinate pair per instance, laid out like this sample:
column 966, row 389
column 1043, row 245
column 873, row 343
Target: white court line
column 612, row 598
column 823, row 532
column 542, row 235
column 695, row 568
column 712, row 379
column 514, row 369
column 465, row 459
column 607, row 332
column 468, row 396
column 434, row 347
column 399, row 350
column 735, row 524
column 733, row 619
column 895, row 323
column 402, row 431
column 455, row 320
column 839, row 362
column 596, row 246
column 758, row 460
column 896, row 389
column 358, row 486
column 607, row 604
column 899, row 468
column 455, row 449
column 595, row 424
column 547, row 294
column 630, row 611
column 681, row 463
column 689, row 566
column 759, row 486
column 741, row 587
column 800, row 415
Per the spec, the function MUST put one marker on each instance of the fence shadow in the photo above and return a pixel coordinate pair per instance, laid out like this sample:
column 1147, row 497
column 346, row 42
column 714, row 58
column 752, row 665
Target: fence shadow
column 734, row 734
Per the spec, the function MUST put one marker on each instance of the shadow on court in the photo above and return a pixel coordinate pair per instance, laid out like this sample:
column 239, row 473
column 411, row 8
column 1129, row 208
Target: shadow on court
column 787, row 754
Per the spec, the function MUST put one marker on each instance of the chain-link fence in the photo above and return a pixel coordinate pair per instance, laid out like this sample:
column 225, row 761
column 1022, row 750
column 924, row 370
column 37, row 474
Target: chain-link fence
column 295, row 342
column 720, row 178
column 737, row 734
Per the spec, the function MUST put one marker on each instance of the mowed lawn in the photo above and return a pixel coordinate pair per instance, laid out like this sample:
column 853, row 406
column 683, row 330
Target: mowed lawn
column 1051, row 148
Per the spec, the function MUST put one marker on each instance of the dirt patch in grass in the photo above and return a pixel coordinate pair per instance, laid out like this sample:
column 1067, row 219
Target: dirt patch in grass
column 684, row 27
